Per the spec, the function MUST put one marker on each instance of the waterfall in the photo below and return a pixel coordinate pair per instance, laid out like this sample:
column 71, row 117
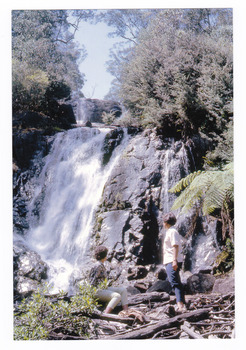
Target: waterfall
column 66, row 196
column 175, row 165
column 81, row 111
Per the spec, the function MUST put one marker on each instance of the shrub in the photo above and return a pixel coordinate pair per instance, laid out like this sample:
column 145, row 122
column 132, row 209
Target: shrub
column 225, row 260
column 180, row 77
column 108, row 118
column 38, row 317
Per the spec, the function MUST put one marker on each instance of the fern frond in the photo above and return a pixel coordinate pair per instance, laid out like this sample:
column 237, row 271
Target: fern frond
column 212, row 188
column 184, row 182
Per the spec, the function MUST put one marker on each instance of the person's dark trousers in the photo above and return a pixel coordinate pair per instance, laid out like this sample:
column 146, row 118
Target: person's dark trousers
column 174, row 279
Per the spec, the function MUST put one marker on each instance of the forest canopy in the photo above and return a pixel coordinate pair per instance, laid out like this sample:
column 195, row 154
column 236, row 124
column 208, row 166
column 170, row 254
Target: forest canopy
column 178, row 70
column 173, row 68
column 44, row 53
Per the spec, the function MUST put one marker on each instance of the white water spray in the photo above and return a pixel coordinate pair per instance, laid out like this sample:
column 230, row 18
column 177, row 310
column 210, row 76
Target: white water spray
column 69, row 187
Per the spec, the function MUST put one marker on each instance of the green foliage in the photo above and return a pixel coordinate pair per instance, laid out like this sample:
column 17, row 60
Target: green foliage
column 127, row 120
column 184, row 182
column 179, row 72
column 212, row 189
column 225, row 260
column 43, row 53
column 108, row 118
column 38, row 317
column 127, row 23
column 223, row 152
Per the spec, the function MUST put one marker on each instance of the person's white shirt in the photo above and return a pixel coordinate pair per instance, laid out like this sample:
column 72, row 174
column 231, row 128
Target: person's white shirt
column 172, row 237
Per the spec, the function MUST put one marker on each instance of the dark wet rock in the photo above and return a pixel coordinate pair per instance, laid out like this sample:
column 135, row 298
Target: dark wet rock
column 112, row 140
column 137, row 272
column 88, row 124
column 160, row 286
column 161, row 273
column 200, row 283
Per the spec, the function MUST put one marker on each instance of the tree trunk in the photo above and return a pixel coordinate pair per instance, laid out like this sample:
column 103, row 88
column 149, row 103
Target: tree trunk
column 150, row 330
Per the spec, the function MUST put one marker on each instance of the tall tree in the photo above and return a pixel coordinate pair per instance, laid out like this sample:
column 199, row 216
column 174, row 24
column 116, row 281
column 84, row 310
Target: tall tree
column 43, row 52
column 178, row 71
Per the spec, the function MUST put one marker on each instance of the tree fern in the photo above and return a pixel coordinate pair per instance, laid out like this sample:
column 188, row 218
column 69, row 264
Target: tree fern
column 212, row 188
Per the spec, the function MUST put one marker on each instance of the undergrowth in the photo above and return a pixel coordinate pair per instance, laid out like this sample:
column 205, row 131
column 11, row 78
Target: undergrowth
column 40, row 317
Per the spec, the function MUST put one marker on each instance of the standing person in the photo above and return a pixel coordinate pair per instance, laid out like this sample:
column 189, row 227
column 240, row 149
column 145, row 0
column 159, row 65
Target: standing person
column 173, row 258
column 98, row 274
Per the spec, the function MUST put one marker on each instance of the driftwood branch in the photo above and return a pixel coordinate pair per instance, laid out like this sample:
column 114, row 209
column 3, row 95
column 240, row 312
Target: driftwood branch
column 208, row 315
column 150, row 330
column 190, row 332
column 112, row 317
column 148, row 297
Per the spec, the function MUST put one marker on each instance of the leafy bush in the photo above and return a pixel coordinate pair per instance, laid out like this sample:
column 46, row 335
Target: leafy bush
column 225, row 260
column 39, row 318
column 43, row 53
column 178, row 73
column 127, row 120
column 108, row 118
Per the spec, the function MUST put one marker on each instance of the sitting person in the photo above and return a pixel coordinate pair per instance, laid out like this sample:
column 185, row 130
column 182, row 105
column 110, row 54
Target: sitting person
column 98, row 274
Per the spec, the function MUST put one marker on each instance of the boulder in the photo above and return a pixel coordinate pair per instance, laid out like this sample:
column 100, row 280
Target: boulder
column 30, row 265
column 161, row 273
column 132, row 290
column 142, row 286
column 25, row 287
column 26, row 143
column 29, row 270
column 200, row 283
column 224, row 284
column 160, row 286
column 137, row 272
column 115, row 221
column 112, row 139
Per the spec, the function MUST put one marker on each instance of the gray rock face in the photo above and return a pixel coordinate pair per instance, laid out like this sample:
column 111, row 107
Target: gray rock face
column 224, row 284
column 136, row 195
column 29, row 270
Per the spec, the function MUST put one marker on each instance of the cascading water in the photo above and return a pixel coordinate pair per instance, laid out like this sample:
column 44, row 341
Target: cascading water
column 69, row 189
column 175, row 165
column 81, row 111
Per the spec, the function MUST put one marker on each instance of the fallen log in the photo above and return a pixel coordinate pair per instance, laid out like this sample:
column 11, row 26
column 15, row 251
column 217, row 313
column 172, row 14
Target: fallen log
column 190, row 332
column 61, row 336
column 151, row 329
column 111, row 317
column 147, row 297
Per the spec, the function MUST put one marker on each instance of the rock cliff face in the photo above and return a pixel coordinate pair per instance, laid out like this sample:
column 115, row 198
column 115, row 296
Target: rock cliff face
column 129, row 216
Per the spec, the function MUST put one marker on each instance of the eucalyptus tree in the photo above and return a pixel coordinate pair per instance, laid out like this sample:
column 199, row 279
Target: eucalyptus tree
column 180, row 76
column 43, row 51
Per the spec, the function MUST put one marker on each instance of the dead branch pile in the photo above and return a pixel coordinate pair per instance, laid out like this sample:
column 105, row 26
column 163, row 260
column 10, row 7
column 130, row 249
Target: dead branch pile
column 152, row 316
